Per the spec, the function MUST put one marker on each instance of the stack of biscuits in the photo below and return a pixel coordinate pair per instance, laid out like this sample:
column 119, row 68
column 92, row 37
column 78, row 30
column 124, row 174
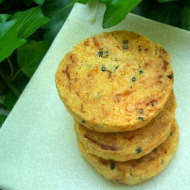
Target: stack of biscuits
column 118, row 86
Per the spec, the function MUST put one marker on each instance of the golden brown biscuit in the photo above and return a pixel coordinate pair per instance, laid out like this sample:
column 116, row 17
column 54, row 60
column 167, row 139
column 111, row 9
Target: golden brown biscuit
column 136, row 171
column 129, row 145
column 106, row 80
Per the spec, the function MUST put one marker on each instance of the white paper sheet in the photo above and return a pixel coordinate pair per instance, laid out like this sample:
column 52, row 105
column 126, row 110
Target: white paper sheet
column 38, row 148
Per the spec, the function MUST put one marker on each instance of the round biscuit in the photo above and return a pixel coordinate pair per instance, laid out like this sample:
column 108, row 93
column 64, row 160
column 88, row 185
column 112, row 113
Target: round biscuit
column 105, row 80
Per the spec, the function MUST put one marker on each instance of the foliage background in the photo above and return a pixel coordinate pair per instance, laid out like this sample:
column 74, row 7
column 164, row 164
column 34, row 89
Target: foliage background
column 28, row 27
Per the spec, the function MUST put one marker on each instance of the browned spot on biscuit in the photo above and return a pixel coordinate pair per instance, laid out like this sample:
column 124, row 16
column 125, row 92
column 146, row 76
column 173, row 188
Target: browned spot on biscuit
column 122, row 170
column 102, row 161
column 86, row 42
column 73, row 58
column 105, row 147
column 124, row 93
column 96, row 42
column 93, row 71
column 77, row 93
column 82, row 108
column 67, row 72
column 165, row 64
column 129, row 138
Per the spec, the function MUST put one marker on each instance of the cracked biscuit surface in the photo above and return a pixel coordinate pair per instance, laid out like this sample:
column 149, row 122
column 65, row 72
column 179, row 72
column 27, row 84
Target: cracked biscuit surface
column 115, row 81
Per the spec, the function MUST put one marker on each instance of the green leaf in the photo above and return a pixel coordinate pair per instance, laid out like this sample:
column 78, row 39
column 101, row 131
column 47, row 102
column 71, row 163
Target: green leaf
column 165, row 1
column 2, row 87
column 115, row 14
column 168, row 13
column 1, row 1
column 114, row 2
column 53, row 7
column 143, row 8
column 2, row 119
column 28, row 3
column 39, row 2
column 11, row 85
column 58, row 12
column 10, row 100
column 54, row 26
column 185, row 18
column 29, row 21
column 72, row 2
column 8, row 39
column 185, row 2
column 4, row 17
column 30, row 55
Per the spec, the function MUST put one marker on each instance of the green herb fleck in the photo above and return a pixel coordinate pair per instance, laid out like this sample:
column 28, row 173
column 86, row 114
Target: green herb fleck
column 171, row 133
column 141, row 118
column 170, row 76
column 103, row 68
column 112, row 166
column 154, row 150
column 125, row 41
column 100, row 53
column 152, row 103
column 138, row 150
column 141, row 111
column 131, row 174
column 125, row 47
column 133, row 79
column 106, row 53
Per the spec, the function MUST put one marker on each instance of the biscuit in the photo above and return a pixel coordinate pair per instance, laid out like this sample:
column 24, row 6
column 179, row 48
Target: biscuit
column 136, row 171
column 116, row 81
column 129, row 145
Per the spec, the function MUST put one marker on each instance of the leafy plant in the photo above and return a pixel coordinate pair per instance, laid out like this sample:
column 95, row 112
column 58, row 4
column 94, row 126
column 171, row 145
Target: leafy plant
column 27, row 28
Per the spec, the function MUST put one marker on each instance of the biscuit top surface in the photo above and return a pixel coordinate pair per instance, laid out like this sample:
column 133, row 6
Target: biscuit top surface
column 115, row 81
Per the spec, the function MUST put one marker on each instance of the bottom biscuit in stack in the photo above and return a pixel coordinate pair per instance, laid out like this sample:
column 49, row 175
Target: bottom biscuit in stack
column 124, row 146
column 135, row 171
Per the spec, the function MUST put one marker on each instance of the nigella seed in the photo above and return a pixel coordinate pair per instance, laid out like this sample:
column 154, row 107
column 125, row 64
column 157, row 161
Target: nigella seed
column 112, row 166
column 106, row 53
column 100, row 53
column 125, row 47
column 83, row 121
column 125, row 41
column 152, row 103
column 140, row 72
column 154, row 150
column 141, row 111
column 170, row 76
column 103, row 68
column 138, row 150
column 133, row 79
column 171, row 133
column 141, row 118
